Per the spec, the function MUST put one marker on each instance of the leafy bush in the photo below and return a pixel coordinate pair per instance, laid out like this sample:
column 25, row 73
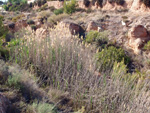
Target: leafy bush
column 13, row 42
column 33, row 27
column 14, row 82
column 92, row 36
column 52, row 8
column 43, row 107
column 99, row 38
column 43, row 7
column 16, row 18
column 108, row 56
column 30, row 22
column 58, row 11
column 70, row 6
column 147, row 46
column 3, row 30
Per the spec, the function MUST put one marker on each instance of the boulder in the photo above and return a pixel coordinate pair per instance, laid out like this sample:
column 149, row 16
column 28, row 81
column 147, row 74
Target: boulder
column 94, row 26
column 74, row 28
column 138, row 36
column 4, row 104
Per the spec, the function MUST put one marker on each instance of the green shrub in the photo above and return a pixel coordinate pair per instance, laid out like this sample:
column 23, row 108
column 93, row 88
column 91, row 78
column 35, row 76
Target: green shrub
column 33, row 27
column 147, row 46
column 13, row 42
column 4, row 52
column 92, row 36
column 30, row 22
column 70, row 6
column 52, row 8
column 16, row 18
column 2, row 28
column 43, row 107
column 108, row 56
column 14, row 82
column 44, row 7
column 99, row 38
column 58, row 11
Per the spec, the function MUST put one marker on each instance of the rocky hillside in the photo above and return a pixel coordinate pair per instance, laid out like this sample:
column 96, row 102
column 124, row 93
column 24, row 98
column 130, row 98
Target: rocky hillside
column 75, row 56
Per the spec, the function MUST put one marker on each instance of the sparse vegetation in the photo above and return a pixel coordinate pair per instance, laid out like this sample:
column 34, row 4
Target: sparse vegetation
column 54, row 19
column 46, row 69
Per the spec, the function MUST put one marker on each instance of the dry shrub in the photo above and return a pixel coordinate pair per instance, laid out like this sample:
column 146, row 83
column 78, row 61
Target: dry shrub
column 57, row 18
column 62, row 62
column 44, row 14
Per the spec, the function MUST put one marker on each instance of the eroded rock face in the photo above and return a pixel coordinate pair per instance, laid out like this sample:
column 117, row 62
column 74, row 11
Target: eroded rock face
column 4, row 103
column 138, row 36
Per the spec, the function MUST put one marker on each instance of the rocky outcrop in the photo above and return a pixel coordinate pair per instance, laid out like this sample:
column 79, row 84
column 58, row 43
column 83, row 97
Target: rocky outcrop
column 4, row 104
column 94, row 26
column 138, row 36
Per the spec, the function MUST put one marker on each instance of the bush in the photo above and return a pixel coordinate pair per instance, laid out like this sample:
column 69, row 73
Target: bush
column 52, row 8
column 147, row 46
column 99, row 38
column 16, row 18
column 108, row 56
column 44, row 7
column 14, row 82
column 58, row 11
column 57, row 18
column 30, row 22
column 43, row 107
column 3, row 30
column 44, row 14
column 33, row 27
column 92, row 36
column 70, row 6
